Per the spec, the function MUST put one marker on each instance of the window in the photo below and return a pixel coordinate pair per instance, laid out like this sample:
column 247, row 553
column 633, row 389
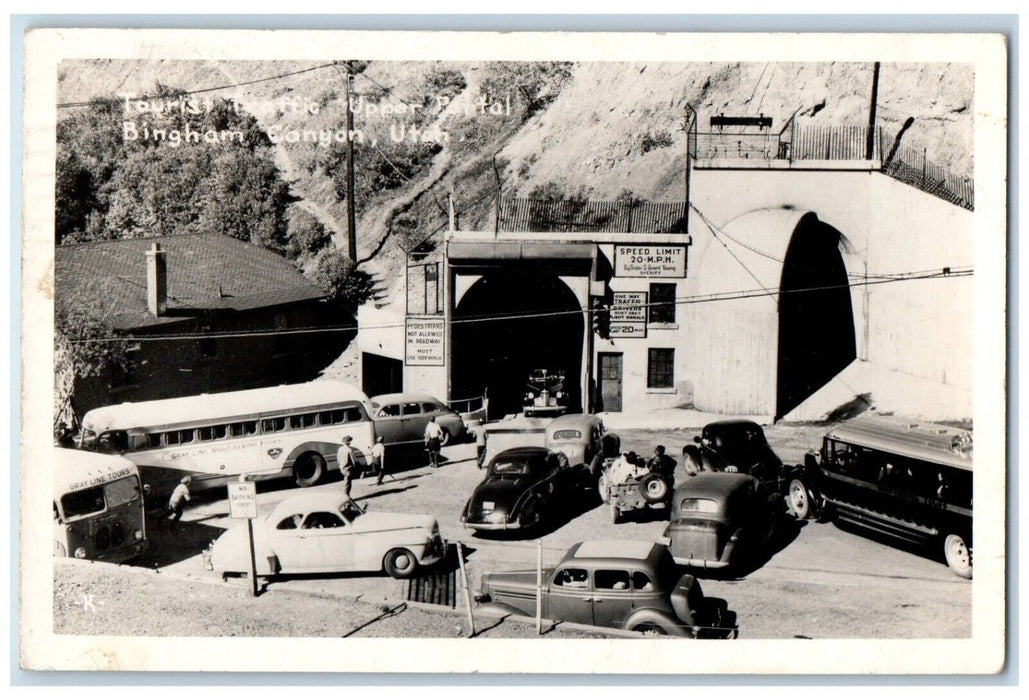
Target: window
column 389, row 411
column 611, row 580
column 431, row 408
column 290, row 523
column 241, row 429
column 641, row 582
column 211, row 432
column 660, row 368
column 185, row 436
column 572, row 578
column 322, row 520
column 273, row 425
column 305, row 420
column 412, row 409
column 662, row 303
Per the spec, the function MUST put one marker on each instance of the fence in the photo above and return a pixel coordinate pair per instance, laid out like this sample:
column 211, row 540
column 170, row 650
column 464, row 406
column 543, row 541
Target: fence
column 590, row 216
column 840, row 142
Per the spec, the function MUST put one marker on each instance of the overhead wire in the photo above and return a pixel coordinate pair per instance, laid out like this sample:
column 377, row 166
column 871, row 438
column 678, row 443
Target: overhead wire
column 679, row 301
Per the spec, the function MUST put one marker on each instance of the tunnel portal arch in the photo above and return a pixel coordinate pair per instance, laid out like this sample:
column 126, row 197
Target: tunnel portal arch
column 816, row 315
column 509, row 323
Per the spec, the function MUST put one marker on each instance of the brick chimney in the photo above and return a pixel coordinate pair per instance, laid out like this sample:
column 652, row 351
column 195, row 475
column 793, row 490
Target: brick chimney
column 157, row 280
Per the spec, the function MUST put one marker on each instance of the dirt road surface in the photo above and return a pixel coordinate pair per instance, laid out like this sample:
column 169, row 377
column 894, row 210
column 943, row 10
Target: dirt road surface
column 821, row 583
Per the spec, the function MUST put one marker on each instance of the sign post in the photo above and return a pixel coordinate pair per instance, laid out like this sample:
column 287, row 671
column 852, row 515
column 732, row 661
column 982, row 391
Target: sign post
column 243, row 505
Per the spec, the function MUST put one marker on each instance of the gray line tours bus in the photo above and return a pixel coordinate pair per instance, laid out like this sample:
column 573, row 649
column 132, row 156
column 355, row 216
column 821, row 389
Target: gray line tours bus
column 99, row 511
column 289, row 430
column 904, row 478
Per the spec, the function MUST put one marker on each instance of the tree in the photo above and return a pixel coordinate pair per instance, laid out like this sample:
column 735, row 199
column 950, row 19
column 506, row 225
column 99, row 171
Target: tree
column 534, row 84
column 305, row 235
column 347, row 286
column 86, row 345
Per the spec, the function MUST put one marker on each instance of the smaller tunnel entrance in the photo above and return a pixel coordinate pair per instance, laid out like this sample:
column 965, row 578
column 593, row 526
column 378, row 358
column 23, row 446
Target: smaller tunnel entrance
column 508, row 324
column 816, row 316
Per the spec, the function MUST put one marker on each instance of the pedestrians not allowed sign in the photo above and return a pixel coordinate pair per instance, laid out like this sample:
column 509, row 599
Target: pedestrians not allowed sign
column 243, row 500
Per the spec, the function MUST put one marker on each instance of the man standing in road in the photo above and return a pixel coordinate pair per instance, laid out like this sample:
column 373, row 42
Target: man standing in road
column 379, row 459
column 480, row 444
column 178, row 501
column 345, row 459
column 433, row 439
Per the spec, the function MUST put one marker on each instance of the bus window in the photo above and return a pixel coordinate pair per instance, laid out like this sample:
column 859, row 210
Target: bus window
column 241, row 429
column 113, row 442
column 185, row 436
column 296, row 422
column 171, row 438
column 273, row 425
column 353, row 415
column 121, row 491
column 79, row 503
column 211, row 432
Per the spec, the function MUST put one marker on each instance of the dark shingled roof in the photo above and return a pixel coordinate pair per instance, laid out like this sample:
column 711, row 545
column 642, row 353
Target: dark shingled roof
column 205, row 272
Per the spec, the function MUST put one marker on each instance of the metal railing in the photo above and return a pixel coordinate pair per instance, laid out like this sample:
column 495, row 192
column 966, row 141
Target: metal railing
column 517, row 214
column 837, row 143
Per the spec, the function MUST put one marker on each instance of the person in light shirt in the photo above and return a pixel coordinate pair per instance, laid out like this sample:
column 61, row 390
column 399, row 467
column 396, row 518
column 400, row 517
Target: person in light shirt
column 379, row 459
column 433, row 441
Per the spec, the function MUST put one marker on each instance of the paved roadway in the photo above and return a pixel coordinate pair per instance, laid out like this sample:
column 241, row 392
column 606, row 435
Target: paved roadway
column 822, row 583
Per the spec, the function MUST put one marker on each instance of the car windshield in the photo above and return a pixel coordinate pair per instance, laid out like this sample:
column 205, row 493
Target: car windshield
column 351, row 511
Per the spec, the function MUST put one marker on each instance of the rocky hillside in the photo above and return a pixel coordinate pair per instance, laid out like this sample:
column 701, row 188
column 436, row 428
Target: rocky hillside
column 596, row 130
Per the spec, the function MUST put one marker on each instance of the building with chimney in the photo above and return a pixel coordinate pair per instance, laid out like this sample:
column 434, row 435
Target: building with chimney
column 203, row 312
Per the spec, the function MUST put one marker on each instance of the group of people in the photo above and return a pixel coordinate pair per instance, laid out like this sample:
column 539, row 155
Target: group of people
column 629, row 465
column 349, row 467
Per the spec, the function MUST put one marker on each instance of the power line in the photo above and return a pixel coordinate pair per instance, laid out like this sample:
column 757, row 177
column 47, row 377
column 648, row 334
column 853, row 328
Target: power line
column 199, row 91
column 695, row 299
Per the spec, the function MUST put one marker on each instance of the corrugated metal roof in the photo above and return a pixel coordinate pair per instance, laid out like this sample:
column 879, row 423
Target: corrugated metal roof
column 205, row 272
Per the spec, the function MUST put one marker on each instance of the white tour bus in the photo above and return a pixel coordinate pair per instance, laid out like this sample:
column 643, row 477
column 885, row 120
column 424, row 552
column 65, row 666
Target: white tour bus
column 288, row 430
column 98, row 507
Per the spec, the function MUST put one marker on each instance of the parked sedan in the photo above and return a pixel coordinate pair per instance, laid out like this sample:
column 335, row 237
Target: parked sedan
column 717, row 517
column 522, row 486
column 322, row 532
column 401, row 418
column 623, row 584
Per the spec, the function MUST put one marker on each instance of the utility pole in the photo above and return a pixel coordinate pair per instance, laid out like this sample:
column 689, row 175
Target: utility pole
column 870, row 136
column 351, row 219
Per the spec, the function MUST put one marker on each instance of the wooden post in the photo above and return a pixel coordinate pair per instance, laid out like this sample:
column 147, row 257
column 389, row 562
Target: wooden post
column 253, row 558
column 467, row 593
column 870, row 136
column 539, row 586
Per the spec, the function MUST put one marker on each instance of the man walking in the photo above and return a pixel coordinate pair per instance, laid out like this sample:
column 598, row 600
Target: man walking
column 379, row 459
column 345, row 459
column 178, row 501
column 433, row 440
column 480, row 444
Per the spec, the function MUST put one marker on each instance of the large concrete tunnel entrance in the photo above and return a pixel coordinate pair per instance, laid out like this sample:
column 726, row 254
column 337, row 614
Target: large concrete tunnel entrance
column 509, row 323
column 816, row 316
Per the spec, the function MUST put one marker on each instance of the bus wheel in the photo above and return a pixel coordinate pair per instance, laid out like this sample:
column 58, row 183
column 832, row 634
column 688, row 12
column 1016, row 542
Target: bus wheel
column 309, row 469
column 959, row 558
column 400, row 563
column 799, row 499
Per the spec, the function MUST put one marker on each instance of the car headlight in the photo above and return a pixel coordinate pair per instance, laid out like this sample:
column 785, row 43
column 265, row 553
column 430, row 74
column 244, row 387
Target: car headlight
column 80, row 553
column 559, row 395
column 138, row 534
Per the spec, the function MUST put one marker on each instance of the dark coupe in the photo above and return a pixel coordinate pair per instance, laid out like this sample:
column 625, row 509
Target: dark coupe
column 736, row 446
column 521, row 487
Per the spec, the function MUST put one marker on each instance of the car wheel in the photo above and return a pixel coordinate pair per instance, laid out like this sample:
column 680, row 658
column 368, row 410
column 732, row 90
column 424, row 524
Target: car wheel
column 308, row 469
column 615, row 514
column 605, row 496
column 650, row 629
column 799, row 499
column 959, row 556
column 400, row 563
column 654, row 488
column 444, row 438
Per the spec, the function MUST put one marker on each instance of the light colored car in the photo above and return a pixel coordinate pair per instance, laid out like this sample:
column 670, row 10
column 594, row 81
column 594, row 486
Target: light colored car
column 322, row 533
column 401, row 418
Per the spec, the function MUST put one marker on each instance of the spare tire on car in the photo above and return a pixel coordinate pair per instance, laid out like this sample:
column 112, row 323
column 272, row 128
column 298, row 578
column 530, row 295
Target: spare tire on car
column 655, row 487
